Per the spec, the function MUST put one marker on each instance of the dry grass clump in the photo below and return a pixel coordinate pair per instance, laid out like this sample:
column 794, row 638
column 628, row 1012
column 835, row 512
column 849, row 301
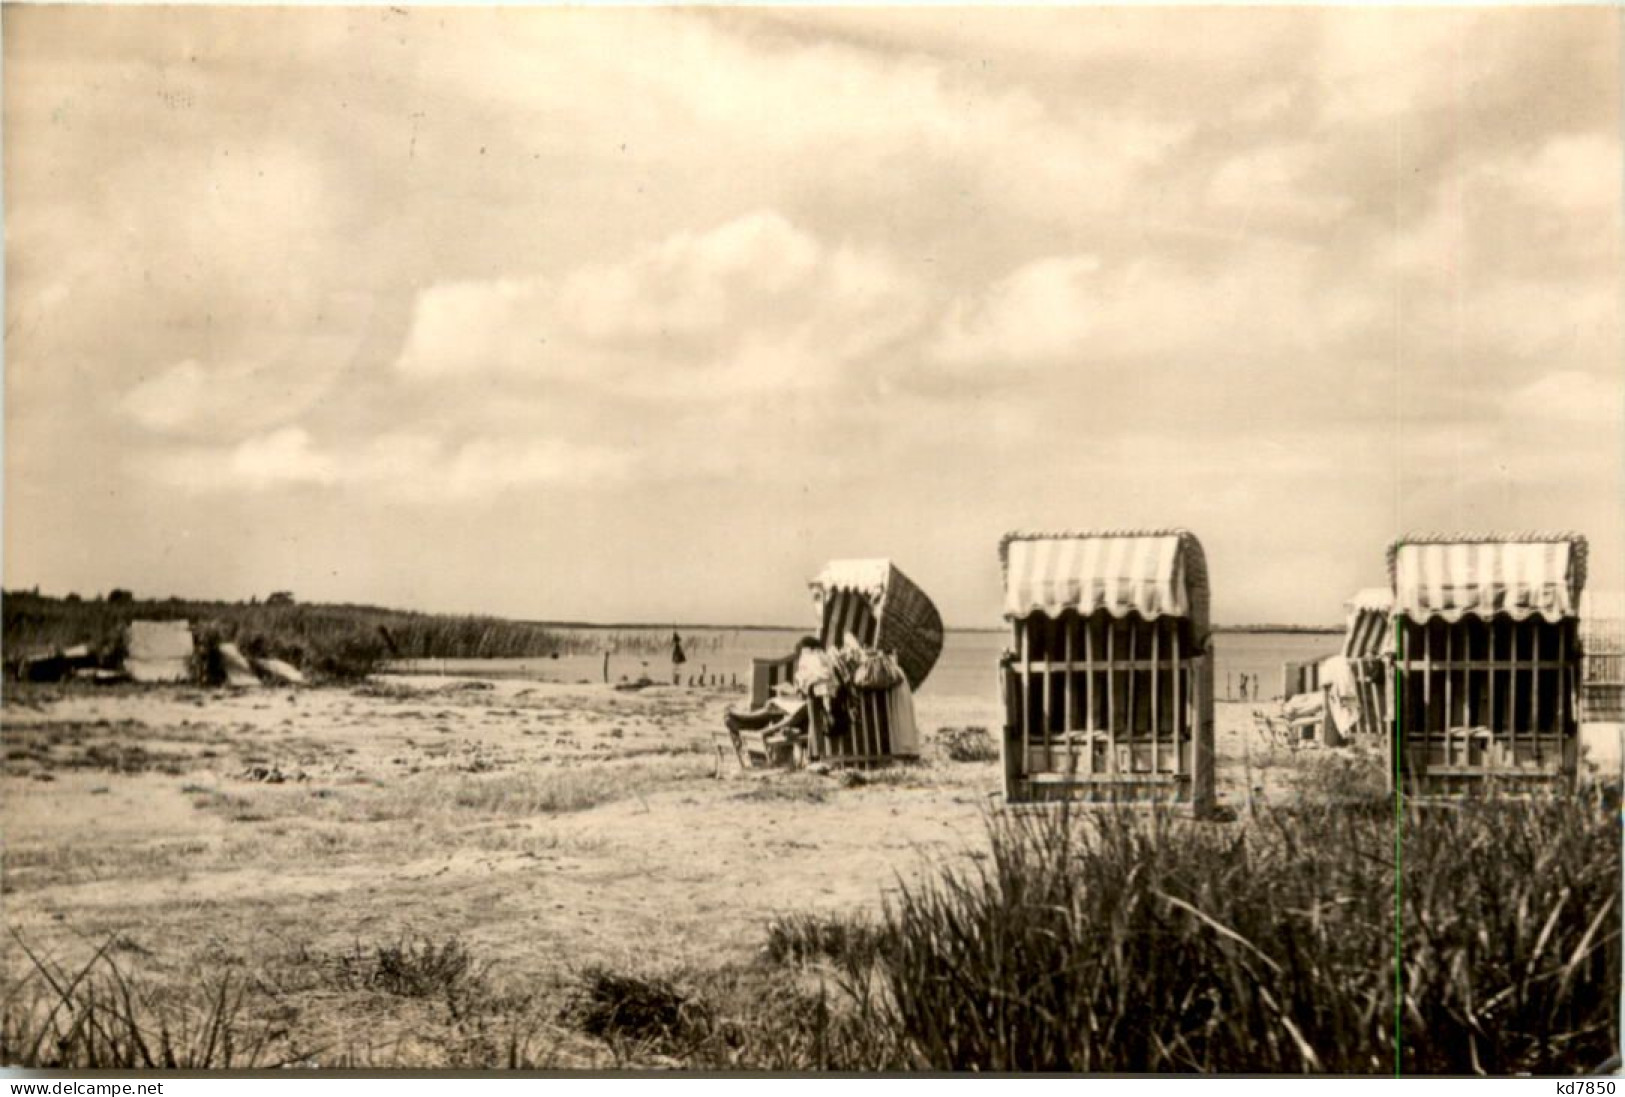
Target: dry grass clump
column 845, row 940
column 574, row 789
column 413, row 969
column 1356, row 780
column 736, row 1018
column 640, row 1009
column 1130, row 942
column 1133, row 942
column 409, row 1002
column 967, row 744
column 444, row 794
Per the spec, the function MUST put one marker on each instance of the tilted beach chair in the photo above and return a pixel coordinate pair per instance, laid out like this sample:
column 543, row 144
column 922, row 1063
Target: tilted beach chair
column 875, row 604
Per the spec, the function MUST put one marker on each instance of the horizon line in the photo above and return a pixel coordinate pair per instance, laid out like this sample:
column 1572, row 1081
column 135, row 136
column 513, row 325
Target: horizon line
column 712, row 626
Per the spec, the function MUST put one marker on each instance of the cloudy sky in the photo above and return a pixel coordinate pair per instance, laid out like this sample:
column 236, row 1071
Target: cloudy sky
column 643, row 314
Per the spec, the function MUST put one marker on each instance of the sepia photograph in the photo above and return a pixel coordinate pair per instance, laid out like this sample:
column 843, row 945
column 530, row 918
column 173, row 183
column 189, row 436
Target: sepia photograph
column 812, row 540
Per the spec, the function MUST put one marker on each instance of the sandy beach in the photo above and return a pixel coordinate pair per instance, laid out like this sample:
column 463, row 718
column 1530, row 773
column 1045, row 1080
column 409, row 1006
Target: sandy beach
column 547, row 827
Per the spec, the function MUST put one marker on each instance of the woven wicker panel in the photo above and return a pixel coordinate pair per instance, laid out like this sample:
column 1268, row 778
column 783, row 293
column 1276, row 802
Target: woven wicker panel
column 909, row 625
column 910, row 628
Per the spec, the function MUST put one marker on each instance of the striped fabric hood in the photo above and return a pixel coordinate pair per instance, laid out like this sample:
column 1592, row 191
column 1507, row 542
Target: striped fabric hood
column 866, row 577
column 1517, row 576
column 1153, row 573
column 1368, row 635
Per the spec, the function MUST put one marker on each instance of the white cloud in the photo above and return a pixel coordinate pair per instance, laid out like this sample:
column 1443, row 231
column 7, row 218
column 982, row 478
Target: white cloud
column 753, row 305
column 168, row 399
column 287, row 366
column 1579, row 173
column 192, row 399
column 400, row 466
column 1037, row 315
column 744, row 104
column 1261, row 307
column 280, row 458
column 467, row 328
column 492, row 466
column 1384, row 62
column 1271, row 184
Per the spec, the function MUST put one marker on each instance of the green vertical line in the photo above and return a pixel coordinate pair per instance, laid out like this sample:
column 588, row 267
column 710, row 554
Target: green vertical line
column 1399, row 832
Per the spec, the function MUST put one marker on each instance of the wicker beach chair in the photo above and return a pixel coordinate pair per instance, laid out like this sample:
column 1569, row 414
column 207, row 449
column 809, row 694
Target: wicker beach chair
column 874, row 603
column 1109, row 681
column 1484, row 675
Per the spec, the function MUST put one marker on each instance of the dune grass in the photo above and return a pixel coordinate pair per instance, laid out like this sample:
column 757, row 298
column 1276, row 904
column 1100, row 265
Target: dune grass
column 1126, row 943
column 97, row 1017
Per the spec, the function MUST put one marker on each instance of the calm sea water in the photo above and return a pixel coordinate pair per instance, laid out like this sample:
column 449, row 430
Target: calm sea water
column 967, row 668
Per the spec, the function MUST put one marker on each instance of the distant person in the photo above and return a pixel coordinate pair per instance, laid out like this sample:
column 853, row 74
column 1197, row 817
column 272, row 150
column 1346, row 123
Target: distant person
column 1243, row 687
column 677, row 659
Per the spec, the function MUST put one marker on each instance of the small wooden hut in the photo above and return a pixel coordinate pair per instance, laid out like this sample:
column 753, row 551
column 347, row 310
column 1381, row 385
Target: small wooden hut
column 1484, row 677
column 1109, row 683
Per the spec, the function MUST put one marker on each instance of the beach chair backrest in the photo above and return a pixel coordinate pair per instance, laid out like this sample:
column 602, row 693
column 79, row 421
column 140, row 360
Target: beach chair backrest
column 848, row 613
column 767, row 673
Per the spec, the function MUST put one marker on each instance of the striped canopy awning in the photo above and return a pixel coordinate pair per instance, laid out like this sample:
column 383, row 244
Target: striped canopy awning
column 867, row 577
column 1523, row 576
column 1151, row 573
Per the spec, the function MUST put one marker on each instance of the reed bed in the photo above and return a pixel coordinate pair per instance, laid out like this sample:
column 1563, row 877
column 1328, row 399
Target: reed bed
column 333, row 641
